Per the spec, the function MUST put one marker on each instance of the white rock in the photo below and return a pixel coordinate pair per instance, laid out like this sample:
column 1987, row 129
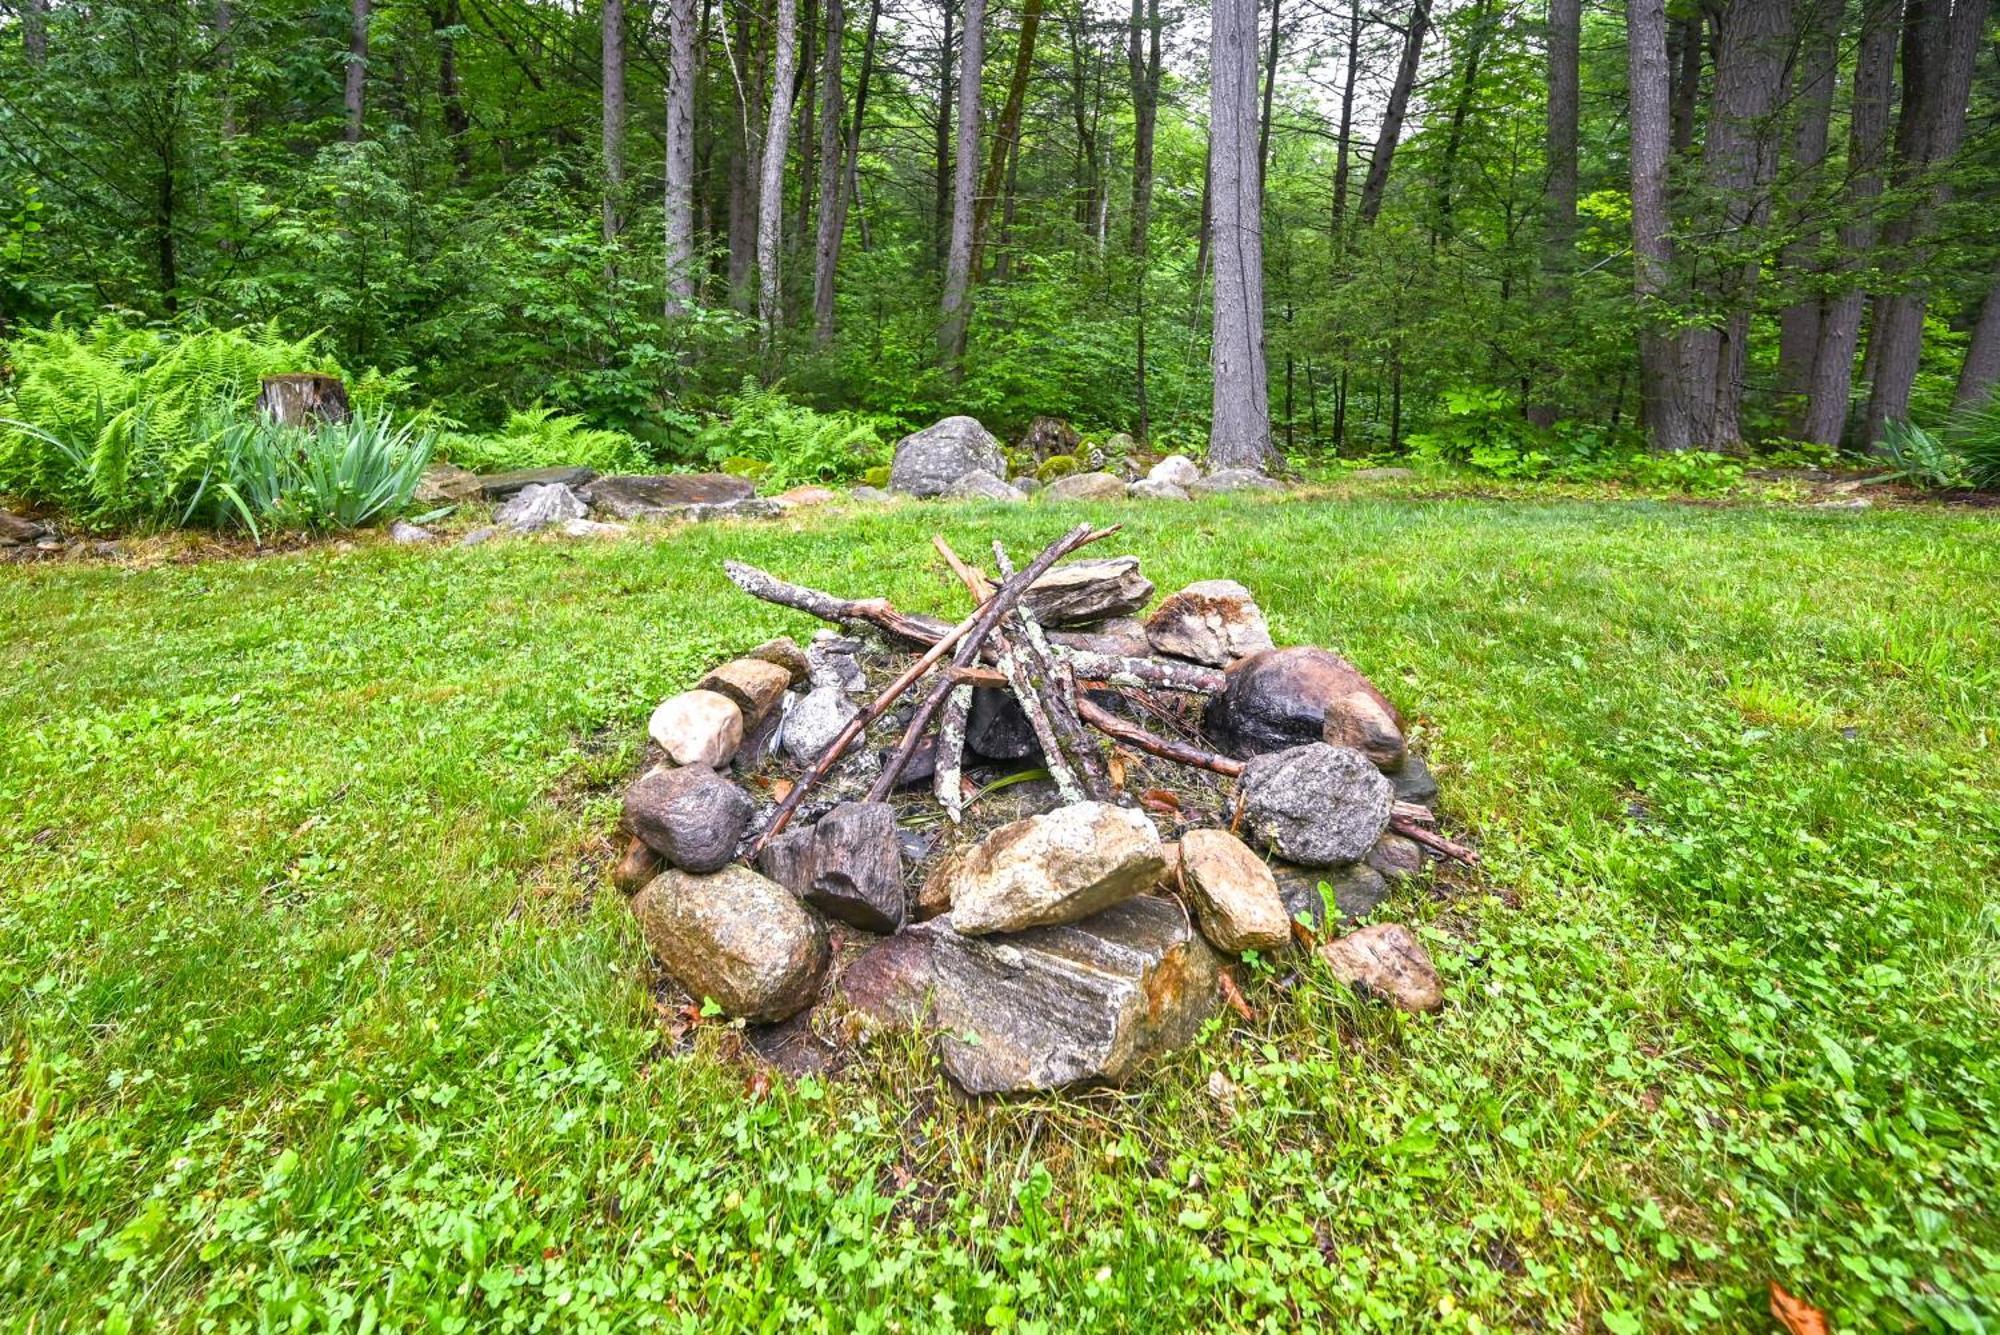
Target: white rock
column 815, row 721
column 1175, row 470
column 698, row 728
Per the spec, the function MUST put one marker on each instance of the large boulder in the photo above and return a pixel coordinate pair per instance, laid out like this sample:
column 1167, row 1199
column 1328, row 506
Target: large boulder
column 1214, row 621
column 1152, row 489
column 697, row 728
column 1176, row 470
column 1320, row 805
column 19, row 530
column 1387, row 961
column 1084, row 1003
column 980, row 485
column 1233, row 894
column 499, row 486
column 736, row 938
column 1086, row 487
column 691, row 816
column 929, row 461
column 1075, row 593
column 1056, row 867
column 1233, row 479
column 1278, row 698
column 664, row 495
column 538, row 506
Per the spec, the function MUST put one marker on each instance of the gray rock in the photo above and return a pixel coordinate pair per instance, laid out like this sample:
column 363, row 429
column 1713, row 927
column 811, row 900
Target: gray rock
column 1086, row 487
column 787, row 858
column 1356, row 892
column 1397, row 858
column 929, row 461
column 1050, row 435
column 815, row 721
column 834, row 660
column 1085, row 1003
column 1176, row 470
column 1278, row 698
column 1076, row 592
column 590, row 528
column 1319, row 805
column 1380, row 475
column 981, row 485
column 1387, row 961
column 1150, row 489
column 1413, row 780
column 1233, row 894
column 736, row 938
column 19, row 530
column 540, row 505
column 446, row 484
column 479, row 535
column 1027, row 486
column 1123, row 637
column 404, row 534
column 697, row 728
column 499, row 486
column 663, row 495
column 857, row 867
column 691, row 816
column 1055, row 868
column 750, row 507
column 1214, row 621
column 872, row 495
column 997, row 728
column 1233, row 479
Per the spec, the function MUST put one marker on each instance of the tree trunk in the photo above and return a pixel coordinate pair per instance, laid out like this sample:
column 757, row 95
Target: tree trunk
column 771, row 185
column 1143, row 64
column 223, row 23
column 1832, row 383
column 1812, row 95
column 956, row 305
column 679, row 197
column 864, row 77
column 1940, row 45
column 1240, row 419
column 1343, row 147
column 451, row 89
column 1652, row 244
column 1559, row 187
column 1392, row 117
column 35, row 32
column 832, row 179
column 1461, row 109
column 742, row 168
column 1270, row 95
column 612, row 21
column 1007, row 134
column 1684, row 92
column 357, row 69
column 941, row 141
column 1981, row 370
column 304, row 399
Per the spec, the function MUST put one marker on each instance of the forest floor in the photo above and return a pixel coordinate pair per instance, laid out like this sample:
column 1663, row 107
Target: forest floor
column 317, row 1006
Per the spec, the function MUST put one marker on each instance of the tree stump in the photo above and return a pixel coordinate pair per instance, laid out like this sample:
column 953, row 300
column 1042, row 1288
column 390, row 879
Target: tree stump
column 304, row 400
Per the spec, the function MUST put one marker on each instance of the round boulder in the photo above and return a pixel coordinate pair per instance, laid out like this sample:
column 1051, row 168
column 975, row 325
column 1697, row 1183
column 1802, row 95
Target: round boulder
column 698, row 728
column 929, row 461
column 735, row 938
column 1286, row 697
column 1233, row 894
column 691, row 816
column 1320, row 805
column 1086, row 487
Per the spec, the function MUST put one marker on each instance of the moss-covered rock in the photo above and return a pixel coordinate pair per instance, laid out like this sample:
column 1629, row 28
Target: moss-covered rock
column 1055, row 466
column 877, row 477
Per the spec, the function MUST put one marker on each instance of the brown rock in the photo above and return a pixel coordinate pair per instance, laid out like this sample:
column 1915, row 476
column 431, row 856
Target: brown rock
column 1386, row 960
column 857, row 867
column 1215, row 621
column 1054, row 868
column 1233, row 894
column 1279, row 698
column 785, row 652
column 1397, row 858
column 787, row 859
column 698, row 728
column 1086, row 487
column 445, row 484
column 639, row 865
column 691, row 816
column 753, row 685
column 808, row 495
column 736, row 938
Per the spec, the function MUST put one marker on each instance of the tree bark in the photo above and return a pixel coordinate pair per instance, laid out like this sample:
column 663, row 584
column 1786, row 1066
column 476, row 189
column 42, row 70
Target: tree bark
column 941, row 141
column 1832, row 382
column 863, row 78
column 611, row 17
column 955, row 309
column 1142, row 57
column 357, row 69
column 742, row 171
column 1344, row 147
column 451, row 89
column 1981, row 369
column 1240, row 417
column 1666, row 409
column 35, row 32
column 1270, row 94
column 1377, row 183
column 1007, row 134
column 771, row 184
column 832, row 178
column 1560, row 185
column 679, row 195
column 1812, row 95
column 1940, row 45
column 1684, row 39
column 1461, row 110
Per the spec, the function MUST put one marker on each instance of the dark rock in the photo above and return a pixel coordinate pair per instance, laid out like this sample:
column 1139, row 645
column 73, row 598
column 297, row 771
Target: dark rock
column 539, row 506
column 1356, row 891
column 1320, row 805
column 1124, row 637
column 834, row 660
column 980, row 485
column 788, row 858
column 691, row 816
column 921, row 767
column 1078, row 592
column 927, row 462
column 1386, row 960
column 1084, row 1003
column 1086, row 487
column 794, row 1046
column 736, row 938
column 664, row 495
column 997, row 728
column 1214, row 621
column 1280, row 698
column 1413, row 780
column 499, row 486
column 754, row 685
column 1050, row 435
column 857, row 867
column 18, row 530
column 1397, row 858
column 1055, row 868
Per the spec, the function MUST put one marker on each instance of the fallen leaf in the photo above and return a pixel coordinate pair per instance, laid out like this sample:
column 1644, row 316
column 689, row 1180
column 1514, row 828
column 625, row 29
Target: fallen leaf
column 781, row 789
column 1163, row 800
column 1116, row 765
column 759, row 1083
column 1234, row 996
column 1796, row 1314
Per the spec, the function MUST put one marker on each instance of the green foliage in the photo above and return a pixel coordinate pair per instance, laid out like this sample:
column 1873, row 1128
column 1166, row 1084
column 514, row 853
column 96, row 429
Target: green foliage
column 334, row 476
column 1918, row 457
column 1483, row 429
column 1975, row 434
column 540, row 437
column 797, row 444
column 1055, row 466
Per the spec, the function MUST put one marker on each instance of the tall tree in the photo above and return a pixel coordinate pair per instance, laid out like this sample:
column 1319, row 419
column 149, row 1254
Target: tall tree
column 955, row 307
column 1270, row 93
column 743, row 170
column 357, row 69
column 832, row 177
column 1392, row 115
column 612, row 22
column 1142, row 58
column 1007, row 133
column 1662, row 393
column 1980, row 371
column 771, row 184
column 1812, row 98
column 1344, row 136
column 1478, row 34
column 1559, row 186
column 1239, row 433
column 445, row 24
column 863, row 78
column 679, row 198
column 35, row 31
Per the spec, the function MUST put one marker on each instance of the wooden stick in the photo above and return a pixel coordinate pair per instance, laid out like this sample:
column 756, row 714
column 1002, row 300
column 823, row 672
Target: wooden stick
column 1102, row 719
column 948, row 783
column 1414, row 812
column 980, row 587
column 1059, row 692
column 1437, row 843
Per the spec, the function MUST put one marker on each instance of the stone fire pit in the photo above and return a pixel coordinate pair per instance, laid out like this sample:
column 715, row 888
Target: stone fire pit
column 1042, row 835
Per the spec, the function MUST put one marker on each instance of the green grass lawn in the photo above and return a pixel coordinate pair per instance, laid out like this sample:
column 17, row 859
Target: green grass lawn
column 318, row 1009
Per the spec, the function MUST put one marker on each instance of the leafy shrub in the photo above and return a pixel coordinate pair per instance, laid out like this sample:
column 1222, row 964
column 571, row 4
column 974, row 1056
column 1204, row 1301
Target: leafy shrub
column 1917, row 456
column 1483, row 430
column 119, row 425
column 1975, row 433
column 798, row 443
column 540, row 437
column 336, row 476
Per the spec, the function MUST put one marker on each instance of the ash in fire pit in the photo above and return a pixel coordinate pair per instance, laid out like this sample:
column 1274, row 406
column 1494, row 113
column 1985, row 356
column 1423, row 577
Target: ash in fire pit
column 1046, row 845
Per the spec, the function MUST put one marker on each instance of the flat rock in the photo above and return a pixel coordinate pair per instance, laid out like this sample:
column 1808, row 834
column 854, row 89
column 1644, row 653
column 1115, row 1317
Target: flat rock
column 752, row 684
column 1386, row 961
column 857, row 867
column 1397, row 858
column 997, row 728
column 785, row 652
column 1278, row 698
column 1084, row 1003
column 815, row 721
column 1233, row 894
column 1320, row 805
column 1176, row 470
column 1086, row 487
column 663, row 495
column 591, row 528
column 1152, row 489
column 1356, row 892
column 1077, row 592
column 1054, row 868
column 691, row 816
column 927, row 462
column 982, row 486
column 446, row 484
column 736, row 938
column 1233, row 479
column 479, row 535
column 697, row 728
column 1213, row 621
column 871, row 495
column 405, row 534
column 1413, row 780
column 802, row 497
column 499, row 486
column 1122, row 637
column 540, row 505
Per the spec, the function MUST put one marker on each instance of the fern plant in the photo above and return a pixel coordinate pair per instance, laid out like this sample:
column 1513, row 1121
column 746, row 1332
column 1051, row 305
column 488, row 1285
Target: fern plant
column 539, row 437
column 796, row 443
